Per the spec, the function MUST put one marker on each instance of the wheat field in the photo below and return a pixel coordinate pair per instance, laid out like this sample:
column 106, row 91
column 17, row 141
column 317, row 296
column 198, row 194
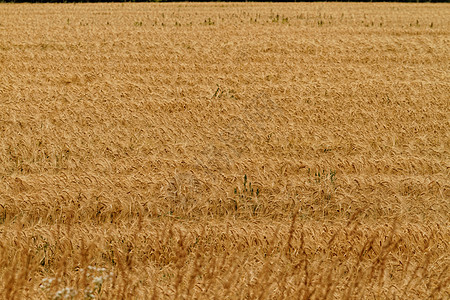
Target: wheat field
column 224, row 151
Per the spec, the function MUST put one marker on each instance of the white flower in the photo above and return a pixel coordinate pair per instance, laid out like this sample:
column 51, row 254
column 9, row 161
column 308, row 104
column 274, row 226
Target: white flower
column 98, row 280
column 66, row 292
column 46, row 282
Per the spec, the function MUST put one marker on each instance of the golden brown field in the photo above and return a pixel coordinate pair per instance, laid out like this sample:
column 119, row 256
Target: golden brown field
column 225, row 151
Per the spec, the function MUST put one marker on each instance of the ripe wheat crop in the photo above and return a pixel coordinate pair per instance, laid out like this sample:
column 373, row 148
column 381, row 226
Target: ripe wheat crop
column 224, row 151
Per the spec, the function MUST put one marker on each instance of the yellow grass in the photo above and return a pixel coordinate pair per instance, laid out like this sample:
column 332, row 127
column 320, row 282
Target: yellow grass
column 130, row 135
